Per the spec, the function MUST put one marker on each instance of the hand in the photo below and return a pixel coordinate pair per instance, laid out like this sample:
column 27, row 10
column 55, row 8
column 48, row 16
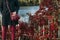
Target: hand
column 13, row 13
column 14, row 16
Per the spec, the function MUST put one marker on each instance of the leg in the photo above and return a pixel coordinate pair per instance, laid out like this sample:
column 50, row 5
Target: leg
column 12, row 32
column 4, row 30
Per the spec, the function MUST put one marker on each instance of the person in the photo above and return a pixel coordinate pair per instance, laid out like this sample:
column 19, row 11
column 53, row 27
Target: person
column 6, row 18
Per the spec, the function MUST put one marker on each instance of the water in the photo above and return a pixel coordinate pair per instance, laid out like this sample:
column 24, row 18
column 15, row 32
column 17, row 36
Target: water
column 30, row 9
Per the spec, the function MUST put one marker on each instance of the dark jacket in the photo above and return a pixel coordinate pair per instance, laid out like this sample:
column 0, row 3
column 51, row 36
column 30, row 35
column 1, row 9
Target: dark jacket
column 13, row 5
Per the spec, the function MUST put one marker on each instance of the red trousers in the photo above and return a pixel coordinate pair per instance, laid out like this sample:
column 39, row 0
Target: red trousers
column 4, row 31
